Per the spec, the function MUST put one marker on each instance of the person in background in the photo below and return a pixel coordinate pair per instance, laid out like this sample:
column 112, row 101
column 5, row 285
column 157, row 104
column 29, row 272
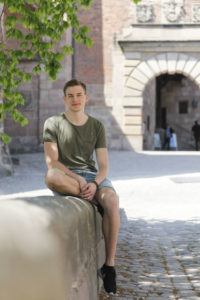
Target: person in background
column 196, row 133
column 168, row 134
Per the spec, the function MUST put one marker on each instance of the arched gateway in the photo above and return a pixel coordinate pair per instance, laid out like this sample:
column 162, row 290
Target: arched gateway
column 138, row 78
column 149, row 51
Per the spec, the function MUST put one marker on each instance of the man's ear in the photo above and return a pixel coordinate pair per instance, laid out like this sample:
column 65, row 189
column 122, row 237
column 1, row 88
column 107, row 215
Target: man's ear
column 86, row 97
column 65, row 99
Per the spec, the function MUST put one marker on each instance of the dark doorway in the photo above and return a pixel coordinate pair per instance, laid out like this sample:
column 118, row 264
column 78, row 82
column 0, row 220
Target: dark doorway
column 163, row 117
column 175, row 96
column 161, row 82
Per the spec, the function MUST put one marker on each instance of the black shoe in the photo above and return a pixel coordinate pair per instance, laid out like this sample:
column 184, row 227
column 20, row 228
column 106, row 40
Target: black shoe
column 108, row 275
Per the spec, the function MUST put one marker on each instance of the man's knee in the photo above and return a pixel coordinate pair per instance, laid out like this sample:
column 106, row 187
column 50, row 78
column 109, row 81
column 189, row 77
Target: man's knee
column 53, row 177
column 56, row 180
column 109, row 199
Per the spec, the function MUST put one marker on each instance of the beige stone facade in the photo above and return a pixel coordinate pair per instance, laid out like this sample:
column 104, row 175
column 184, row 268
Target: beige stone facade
column 134, row 46
column 139, row 44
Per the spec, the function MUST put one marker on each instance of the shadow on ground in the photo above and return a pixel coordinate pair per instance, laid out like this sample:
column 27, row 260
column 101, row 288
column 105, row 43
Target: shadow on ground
column 157, row 260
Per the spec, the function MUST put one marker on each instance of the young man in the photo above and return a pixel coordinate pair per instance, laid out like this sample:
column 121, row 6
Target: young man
column 196, row 133
column 70, row 139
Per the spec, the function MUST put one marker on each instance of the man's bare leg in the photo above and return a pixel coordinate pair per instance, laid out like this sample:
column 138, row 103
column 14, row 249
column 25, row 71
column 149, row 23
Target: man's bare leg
column 58, row 181
column 109, row 201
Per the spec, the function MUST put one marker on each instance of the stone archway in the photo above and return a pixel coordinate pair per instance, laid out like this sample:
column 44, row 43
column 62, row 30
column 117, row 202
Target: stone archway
column 140, row 75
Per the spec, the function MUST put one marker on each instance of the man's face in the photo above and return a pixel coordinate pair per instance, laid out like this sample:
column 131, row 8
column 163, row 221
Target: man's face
column 75, row 98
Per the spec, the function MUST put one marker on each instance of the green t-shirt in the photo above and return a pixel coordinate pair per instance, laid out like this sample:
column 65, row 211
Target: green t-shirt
column 76, row 144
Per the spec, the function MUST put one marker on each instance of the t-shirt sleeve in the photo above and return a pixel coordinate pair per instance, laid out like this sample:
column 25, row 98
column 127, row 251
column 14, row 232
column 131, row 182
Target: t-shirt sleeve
column 49, row 131
column 101, row 137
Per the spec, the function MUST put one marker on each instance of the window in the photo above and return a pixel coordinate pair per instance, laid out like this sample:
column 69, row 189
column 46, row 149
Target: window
column 183, row 107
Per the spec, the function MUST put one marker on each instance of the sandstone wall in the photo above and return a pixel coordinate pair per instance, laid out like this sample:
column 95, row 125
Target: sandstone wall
column 50, row 248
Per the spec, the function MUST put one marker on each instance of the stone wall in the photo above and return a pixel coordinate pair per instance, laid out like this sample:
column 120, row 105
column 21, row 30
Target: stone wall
column 149, row 117
column 50, row 248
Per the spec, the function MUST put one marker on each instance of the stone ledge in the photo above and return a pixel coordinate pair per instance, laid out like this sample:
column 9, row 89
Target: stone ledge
column 50, row 248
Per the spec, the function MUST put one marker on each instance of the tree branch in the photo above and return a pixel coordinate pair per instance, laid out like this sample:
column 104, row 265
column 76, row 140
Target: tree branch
column 2, row 6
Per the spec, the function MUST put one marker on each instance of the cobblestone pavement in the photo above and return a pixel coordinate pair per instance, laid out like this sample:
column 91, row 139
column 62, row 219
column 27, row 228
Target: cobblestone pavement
column 158, row 253
column 158, row 260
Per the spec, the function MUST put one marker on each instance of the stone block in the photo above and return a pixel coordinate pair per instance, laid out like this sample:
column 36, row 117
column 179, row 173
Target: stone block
column 182, row 59
column 133, row 101
column 132, row 129
column 153, row 64
column 132, row 120
column 144, row 68
column 197, row 80
column 133, row 142
column 44, row 95
column 162, row 62
column 6, row 167
column 55, row 96
column 138, row 75
column 132, row 55
column 130, row 92
column 131, row 62
column 189, row 65
column 127, row 70
column 133, row 111
column 134, row 84
column 171, row 62
column 196, row 71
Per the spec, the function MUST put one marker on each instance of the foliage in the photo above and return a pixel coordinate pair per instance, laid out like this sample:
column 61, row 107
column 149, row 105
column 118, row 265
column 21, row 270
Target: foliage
column 37, row 26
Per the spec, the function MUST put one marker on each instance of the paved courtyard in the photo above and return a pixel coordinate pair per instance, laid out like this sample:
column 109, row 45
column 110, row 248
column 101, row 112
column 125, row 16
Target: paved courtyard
column 158, row 254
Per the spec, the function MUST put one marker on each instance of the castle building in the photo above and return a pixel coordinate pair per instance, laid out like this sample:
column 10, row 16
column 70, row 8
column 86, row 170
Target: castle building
column 142, row 73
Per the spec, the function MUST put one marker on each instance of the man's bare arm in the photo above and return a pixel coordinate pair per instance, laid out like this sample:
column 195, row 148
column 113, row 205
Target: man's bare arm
column 102, row 162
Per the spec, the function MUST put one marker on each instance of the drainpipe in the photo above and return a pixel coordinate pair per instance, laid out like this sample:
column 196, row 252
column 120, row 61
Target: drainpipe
column 73, row 55
column 73, row 46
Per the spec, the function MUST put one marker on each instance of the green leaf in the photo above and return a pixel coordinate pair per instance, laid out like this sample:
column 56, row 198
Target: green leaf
column 5, row 138
column 67, row 50
column 25, row 21
column 24, row 44
column 11, row 21
column 29, row 54
column 88, row 42
column 9, row 105
column 23, row 121
column 17, row 34
column 84, row 30
column 37, row 70
column 29, row 37
column 16, row 54
column 45, row 46
column 2, row 116
column 27, row 77
column 59, row 56
column 65, row 25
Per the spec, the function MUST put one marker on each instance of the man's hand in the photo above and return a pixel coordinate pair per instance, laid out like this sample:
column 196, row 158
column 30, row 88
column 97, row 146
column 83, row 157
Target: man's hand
column 82, row 182
column 88, row 191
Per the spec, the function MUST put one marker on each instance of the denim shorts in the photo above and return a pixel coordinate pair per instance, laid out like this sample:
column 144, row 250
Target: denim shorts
column 90, row 176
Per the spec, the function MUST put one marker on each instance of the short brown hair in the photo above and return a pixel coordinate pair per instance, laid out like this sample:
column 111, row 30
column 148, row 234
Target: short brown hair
column 74, row 82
